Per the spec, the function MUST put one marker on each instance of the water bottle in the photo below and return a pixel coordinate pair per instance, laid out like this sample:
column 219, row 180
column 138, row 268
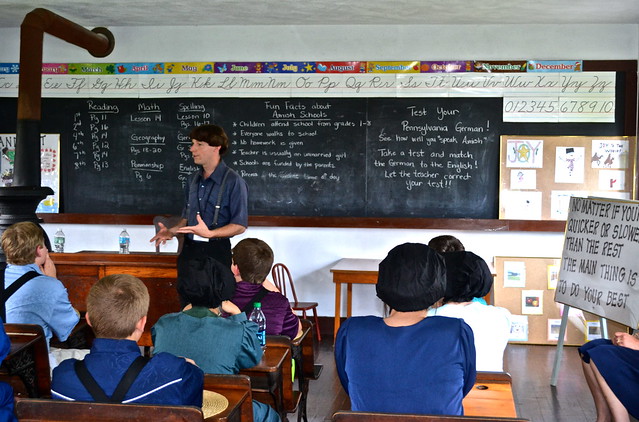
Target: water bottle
column 58, row 241
column 125, row 240
column 257, row 316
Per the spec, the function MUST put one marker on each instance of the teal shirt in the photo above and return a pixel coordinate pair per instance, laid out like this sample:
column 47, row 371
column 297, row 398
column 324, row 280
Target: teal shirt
column 217, row 345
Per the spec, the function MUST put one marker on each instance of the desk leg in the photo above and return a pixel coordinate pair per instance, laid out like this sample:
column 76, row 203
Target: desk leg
column 349, row 300
column 338, row 309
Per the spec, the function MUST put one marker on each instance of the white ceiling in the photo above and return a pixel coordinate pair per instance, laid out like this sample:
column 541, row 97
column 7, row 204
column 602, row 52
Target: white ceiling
column 92, row 13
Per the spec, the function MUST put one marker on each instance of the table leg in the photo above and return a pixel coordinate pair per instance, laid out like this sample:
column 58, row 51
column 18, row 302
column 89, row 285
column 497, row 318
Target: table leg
column 349, row 300
column 338, row 310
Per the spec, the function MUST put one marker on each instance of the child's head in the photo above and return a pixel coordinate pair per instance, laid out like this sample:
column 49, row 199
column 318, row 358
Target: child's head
column 446, row 243
column 254, row 259
column 20, row 241
column 115, row 304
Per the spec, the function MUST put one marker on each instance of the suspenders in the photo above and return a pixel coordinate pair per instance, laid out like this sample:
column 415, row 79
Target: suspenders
column 6, row 294
column 218, row 204
column 120, row 391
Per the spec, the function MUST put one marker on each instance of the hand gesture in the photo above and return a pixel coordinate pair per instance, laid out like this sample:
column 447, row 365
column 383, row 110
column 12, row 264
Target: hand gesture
column 162, row 235
column 200, row 229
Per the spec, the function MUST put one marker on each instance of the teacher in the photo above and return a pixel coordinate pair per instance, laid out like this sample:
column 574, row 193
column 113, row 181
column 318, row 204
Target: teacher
column 216, row 201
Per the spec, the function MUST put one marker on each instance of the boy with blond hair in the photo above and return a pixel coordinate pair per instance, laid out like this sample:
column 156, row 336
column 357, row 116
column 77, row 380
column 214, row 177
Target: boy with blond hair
column 114, row 370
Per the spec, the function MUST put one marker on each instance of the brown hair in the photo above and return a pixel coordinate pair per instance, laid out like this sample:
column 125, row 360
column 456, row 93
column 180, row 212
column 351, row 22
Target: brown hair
column 20, row 241
column 446, row 243
column 115, row 304
column 254, row 259
column 213, row 135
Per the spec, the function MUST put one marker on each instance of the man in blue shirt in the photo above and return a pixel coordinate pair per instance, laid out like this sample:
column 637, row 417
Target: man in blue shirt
column 216, row 201
column 42, row 300
column 116, row 310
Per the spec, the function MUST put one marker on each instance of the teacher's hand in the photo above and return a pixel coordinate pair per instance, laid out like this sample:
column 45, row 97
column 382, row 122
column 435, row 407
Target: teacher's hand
column 200, row 229
column 162, row 235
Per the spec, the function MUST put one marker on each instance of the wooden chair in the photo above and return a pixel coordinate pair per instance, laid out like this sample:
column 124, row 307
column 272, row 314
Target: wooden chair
column 28, row 359
column 283, row 281
column 236, row 388
column 168, row 221
column 348, row 416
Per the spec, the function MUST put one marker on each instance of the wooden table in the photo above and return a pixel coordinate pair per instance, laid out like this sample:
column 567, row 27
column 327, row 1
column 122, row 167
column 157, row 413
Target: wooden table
column 268, row 376
column 351, row 271
column 494, row 397
column 79, row 271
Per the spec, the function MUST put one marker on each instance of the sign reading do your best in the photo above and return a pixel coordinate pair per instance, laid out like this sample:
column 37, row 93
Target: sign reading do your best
column 599, row 270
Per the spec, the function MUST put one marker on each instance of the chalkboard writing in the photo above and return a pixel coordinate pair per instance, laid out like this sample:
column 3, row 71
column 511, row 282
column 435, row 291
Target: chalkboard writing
column 360, row 157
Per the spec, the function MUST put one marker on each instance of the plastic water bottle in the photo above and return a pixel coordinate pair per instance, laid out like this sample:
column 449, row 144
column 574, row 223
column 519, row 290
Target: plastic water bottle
column 58, row 241
column 257, row 316
column 125, row 241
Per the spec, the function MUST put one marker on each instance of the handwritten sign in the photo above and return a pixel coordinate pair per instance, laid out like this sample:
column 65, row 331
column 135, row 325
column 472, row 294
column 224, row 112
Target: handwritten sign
column 599, row 270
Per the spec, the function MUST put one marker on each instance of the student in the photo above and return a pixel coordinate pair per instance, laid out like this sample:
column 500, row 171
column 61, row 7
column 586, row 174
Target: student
column 217, row 345
column 468, row 276
column 611, row 368
column 216, row 203
column 252, row 262
column 43, row 299
column 446, row 243
column 116, row 311
column 6, row 392
column 406, row 362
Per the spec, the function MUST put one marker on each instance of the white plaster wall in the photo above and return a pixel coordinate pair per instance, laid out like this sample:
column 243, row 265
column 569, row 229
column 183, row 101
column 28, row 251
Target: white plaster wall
column 310, row 252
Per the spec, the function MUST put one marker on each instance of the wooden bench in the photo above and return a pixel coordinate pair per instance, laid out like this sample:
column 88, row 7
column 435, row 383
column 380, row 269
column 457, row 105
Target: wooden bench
column 236, row 388
column 28, row 360
column 492, row 395
column 348, row 416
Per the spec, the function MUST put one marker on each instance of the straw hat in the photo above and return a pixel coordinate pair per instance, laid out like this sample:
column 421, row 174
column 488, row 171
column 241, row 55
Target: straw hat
column 213, row 403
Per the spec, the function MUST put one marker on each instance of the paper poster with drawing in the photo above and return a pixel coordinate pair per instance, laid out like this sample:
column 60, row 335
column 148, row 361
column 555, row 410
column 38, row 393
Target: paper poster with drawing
column 526, row 153
column 569, row 164
column 612, row 180
column 49, row 167
column 609, row 154
column 523, row 179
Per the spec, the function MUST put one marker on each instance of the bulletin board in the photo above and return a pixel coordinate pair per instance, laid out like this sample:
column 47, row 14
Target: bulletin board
column 539, row 174
column 526, row 287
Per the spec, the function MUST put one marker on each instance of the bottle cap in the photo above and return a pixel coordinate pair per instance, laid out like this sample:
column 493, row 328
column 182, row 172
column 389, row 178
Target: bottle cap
column 257, row 304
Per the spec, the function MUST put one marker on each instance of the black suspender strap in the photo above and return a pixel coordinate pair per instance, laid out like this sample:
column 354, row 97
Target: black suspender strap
column 258, row 297
column 6, row 294
column 120, row 391
column 219, row 198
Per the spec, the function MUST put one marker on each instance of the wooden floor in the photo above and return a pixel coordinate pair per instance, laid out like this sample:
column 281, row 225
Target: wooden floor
column 529, row 366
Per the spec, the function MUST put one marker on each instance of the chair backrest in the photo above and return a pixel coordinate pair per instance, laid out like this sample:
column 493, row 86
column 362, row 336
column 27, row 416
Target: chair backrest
column 28, row 410
column 347, row 416
column 168, row 221
column 283, row 280
column 29, row 345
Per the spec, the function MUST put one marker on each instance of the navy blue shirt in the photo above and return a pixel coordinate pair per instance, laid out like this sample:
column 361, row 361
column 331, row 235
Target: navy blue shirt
column 166, row 379
column 425, row 368
column 201, row 197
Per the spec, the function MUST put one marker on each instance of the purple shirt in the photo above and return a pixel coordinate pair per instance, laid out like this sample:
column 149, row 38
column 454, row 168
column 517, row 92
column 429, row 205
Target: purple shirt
column 280, row 318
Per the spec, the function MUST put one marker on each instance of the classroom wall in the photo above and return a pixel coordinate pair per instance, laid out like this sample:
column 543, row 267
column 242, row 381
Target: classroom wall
column 310, row 252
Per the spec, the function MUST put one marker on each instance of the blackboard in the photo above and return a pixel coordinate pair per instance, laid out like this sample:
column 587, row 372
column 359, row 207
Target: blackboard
column 328, row 157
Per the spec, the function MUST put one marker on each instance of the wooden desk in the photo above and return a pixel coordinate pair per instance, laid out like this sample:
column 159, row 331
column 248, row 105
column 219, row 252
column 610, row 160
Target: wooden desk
column 28, row 358
column 268, row 376
column 79, row 271
column 496, row 399
column 351, row 271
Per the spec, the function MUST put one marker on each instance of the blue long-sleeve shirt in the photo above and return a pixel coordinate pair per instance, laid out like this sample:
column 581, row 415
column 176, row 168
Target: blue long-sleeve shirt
column 425, row 368
column 166, row 379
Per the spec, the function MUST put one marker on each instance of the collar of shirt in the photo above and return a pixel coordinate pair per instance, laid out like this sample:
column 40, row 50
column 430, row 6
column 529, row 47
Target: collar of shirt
column 111, row 345
column 217, row 174
column 200, row 312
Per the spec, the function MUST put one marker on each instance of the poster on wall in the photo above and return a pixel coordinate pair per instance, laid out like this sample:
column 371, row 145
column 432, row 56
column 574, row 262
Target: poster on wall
column 49, row 167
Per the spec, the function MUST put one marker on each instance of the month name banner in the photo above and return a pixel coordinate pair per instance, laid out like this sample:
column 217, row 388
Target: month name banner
column 600, row 267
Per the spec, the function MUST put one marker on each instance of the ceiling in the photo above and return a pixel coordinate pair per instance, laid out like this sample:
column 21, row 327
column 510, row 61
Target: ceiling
column 109, row 13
